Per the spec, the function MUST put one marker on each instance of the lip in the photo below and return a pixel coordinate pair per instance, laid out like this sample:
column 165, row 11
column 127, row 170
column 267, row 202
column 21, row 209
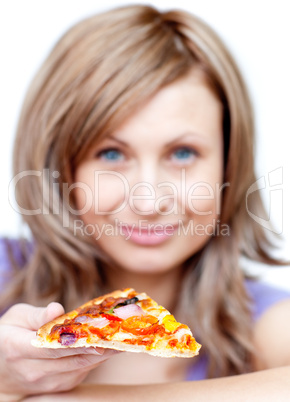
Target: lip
column 149, row 236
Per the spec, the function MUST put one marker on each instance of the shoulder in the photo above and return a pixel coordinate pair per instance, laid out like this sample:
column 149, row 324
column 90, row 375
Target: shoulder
column 271, row 332
column 264, row 296
column 272, row 335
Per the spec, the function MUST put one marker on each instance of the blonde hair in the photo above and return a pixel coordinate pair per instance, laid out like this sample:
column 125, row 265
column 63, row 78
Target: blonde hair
column 98, row 74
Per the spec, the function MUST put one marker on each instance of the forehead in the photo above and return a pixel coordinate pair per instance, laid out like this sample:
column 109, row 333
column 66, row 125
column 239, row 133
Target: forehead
column 185, row 105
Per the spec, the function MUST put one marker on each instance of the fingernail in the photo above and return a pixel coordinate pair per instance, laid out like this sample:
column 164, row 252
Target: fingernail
column 98, row 351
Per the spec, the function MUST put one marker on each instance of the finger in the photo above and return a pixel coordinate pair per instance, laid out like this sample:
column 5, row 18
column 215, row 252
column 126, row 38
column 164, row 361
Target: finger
column 30, row 317
column 57, row 382
column 38, row 369
column 47, row 353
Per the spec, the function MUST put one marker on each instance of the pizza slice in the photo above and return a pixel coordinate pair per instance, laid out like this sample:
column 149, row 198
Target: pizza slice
column 122, row 320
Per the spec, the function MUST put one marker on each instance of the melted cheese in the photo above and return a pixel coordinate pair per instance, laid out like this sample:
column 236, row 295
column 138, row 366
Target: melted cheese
column 121, row 336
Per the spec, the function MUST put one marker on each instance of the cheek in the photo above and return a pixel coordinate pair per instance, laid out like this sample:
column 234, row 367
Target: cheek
column 202, row 192
column 203, row 199
column 111, row 192
column 100, row 192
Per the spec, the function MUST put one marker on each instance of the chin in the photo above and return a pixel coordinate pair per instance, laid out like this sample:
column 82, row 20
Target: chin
column 147, row 267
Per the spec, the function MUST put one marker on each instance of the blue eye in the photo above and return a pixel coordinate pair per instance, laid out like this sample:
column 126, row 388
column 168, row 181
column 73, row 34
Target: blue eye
column 111, row 155
column 184, row 154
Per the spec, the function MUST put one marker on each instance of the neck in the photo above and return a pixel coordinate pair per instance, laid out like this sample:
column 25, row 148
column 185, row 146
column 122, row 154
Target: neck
column 164, row 288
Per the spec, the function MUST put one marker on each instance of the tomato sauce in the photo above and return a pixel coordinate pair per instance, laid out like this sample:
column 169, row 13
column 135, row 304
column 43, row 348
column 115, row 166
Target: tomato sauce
column 106, row 332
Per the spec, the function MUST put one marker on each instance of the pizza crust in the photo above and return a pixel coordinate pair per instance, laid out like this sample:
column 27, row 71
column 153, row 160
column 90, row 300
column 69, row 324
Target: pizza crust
column 80, row 343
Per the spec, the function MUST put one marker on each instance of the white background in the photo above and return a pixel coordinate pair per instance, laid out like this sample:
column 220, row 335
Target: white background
column 256, row 31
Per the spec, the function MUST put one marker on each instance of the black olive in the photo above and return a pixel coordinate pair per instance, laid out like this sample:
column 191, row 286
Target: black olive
column 128, row 301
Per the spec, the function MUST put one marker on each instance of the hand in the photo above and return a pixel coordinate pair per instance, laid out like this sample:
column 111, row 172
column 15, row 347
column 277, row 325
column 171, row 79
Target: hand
column 26, row 370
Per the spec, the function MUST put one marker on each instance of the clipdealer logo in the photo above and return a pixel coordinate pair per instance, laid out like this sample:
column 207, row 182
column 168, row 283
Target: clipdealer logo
column 182, row 195
column 271, row 187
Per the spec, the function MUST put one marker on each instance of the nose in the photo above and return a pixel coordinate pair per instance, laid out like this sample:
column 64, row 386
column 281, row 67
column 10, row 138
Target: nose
column 150, row 195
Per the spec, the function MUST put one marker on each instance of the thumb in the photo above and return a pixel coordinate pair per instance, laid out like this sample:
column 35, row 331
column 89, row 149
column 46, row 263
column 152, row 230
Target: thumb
column 30, row 317
column 47, row 314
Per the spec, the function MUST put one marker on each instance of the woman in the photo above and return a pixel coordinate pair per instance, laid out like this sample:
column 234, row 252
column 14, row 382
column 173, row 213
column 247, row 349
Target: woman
column 141, row 120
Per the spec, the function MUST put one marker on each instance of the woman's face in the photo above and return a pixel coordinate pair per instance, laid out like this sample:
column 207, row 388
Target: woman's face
column 150, row 193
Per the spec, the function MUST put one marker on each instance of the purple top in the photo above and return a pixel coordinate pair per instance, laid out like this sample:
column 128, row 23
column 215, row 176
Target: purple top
column 263, row 296
column 7, row 247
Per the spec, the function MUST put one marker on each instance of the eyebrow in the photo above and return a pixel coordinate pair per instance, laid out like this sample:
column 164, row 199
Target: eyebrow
column 186, row 135
column 110, row 137
column 170, row 143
